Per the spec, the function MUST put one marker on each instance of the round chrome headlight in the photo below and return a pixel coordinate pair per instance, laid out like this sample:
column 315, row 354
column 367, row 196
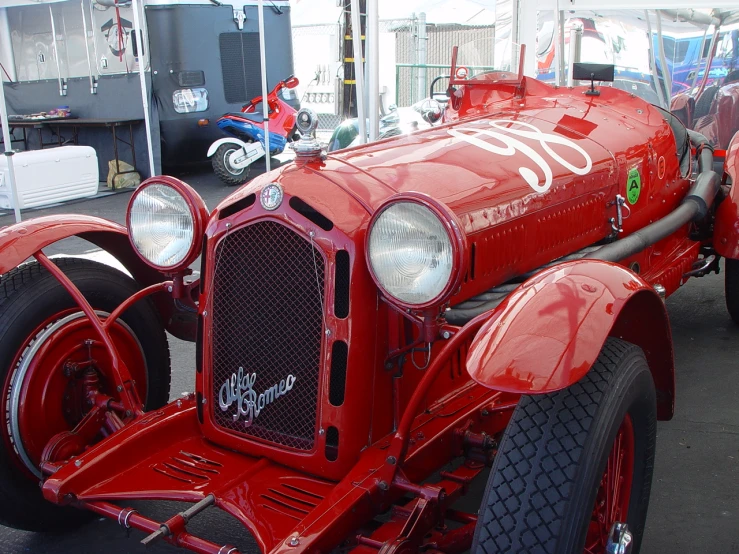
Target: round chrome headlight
column 415, row 252
column 165, row 223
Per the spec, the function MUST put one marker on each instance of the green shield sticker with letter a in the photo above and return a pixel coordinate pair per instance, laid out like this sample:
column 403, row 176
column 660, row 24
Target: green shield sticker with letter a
column 633, row 185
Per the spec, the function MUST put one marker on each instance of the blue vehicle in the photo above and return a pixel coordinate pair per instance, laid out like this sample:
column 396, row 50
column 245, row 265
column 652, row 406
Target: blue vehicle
column 684, row 58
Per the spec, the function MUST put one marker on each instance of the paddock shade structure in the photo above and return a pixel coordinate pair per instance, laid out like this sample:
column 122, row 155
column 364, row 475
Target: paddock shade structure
column 139, row 31
column 9, row 153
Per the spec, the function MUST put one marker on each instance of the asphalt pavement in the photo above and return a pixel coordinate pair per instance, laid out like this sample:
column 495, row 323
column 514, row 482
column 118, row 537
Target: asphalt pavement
column 695, row 495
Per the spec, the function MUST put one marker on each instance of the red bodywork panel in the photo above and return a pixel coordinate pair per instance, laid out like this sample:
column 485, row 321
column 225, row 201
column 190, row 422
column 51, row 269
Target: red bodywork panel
column 531, row 174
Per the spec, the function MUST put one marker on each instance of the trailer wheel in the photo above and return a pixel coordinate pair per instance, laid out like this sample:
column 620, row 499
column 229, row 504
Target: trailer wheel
column 573, row 462
column 731, row 288
column 224, row 170
column 43, row 333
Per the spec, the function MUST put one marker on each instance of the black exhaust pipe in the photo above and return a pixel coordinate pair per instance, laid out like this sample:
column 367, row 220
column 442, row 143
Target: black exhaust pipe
column 694, row 207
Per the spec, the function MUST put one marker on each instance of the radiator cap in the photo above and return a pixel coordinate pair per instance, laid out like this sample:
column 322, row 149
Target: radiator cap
column 307, row 147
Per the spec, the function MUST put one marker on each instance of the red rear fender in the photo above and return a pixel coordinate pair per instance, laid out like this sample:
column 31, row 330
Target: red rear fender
column 726, row 229
column 21, row 241
column 550, row 331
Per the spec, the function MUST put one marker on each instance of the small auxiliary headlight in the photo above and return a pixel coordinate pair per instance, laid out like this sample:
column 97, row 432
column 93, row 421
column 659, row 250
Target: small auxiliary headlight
column 166, row 220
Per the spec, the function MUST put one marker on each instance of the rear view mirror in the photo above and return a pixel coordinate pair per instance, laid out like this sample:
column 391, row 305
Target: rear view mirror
column 592, row 72
column 430, row 110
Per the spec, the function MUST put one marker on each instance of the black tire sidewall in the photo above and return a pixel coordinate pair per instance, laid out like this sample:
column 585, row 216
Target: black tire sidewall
column 629, row 393
column 509, row 512
column 36, row 299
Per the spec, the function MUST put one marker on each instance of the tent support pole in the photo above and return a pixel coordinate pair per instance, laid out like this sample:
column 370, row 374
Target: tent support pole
column 9, row 152
column 655, row 76
column 358, row 70
column 662, row 60
column 141, row 41
column 265, row 92
column 373, row 64
column 87, row 47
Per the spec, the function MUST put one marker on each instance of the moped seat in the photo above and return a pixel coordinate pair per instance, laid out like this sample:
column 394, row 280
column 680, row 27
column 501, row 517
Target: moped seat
column 253, row 117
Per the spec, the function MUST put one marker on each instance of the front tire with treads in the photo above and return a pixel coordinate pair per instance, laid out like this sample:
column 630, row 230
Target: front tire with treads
column 222, row 167
column 563, row 451
column 37, row 311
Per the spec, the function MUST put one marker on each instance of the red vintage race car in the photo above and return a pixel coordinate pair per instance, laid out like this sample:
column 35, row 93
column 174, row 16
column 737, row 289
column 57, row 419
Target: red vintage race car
column 374, row 329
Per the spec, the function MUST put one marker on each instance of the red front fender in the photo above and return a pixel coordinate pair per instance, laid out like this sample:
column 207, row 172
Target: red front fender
column 21, row 241
column 550, row 331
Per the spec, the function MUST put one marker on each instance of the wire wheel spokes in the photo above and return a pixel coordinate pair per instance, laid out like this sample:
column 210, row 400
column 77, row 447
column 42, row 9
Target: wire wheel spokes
column 614, row 493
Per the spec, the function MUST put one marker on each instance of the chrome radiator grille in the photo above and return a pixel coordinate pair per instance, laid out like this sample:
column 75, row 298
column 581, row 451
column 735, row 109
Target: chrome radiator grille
column 267, row 319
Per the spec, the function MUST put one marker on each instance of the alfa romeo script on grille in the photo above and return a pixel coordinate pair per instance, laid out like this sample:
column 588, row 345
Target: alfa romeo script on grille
column 239, row 390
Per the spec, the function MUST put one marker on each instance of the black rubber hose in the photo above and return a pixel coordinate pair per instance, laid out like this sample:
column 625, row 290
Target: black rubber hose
column 693, row 208
column 641, row 239
column 703, row 149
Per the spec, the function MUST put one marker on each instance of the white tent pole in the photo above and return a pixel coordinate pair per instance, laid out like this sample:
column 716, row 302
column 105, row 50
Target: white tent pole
column 140, row 41
column 655, row 76
column 495, row 30
column 575, row 52
column 561, row 44
column 665, row 73
column 358, row 71
column 62, row 92
column 700, row 58
column 527, row 27
column 87, row 47
column 265, row 92
column 556, row 44
column 373, row 63
column 423, row 46
column 6, row 46
column 515, row 44
column 9, row 152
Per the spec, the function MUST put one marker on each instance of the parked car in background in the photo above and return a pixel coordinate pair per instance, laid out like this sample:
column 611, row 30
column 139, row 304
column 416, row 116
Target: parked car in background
column 687, row 63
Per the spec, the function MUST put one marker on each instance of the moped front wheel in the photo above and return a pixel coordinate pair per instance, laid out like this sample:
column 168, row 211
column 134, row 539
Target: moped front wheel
column 232, row 176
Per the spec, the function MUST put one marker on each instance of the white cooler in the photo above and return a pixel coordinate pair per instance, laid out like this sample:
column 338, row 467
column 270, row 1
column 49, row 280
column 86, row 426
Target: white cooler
column 49, row 176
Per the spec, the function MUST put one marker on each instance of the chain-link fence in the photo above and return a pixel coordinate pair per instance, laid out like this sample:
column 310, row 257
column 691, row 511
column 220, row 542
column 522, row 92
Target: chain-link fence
column 410, row 59
column 414, row 78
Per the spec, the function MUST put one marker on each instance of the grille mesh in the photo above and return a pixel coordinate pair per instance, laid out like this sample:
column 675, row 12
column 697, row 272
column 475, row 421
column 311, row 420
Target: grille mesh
column 267, row 319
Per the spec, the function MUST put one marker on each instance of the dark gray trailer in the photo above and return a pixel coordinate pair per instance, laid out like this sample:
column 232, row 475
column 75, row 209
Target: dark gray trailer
column 201, row 60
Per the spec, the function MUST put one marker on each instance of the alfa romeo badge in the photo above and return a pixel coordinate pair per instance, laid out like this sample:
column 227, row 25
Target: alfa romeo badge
column 271, row 196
